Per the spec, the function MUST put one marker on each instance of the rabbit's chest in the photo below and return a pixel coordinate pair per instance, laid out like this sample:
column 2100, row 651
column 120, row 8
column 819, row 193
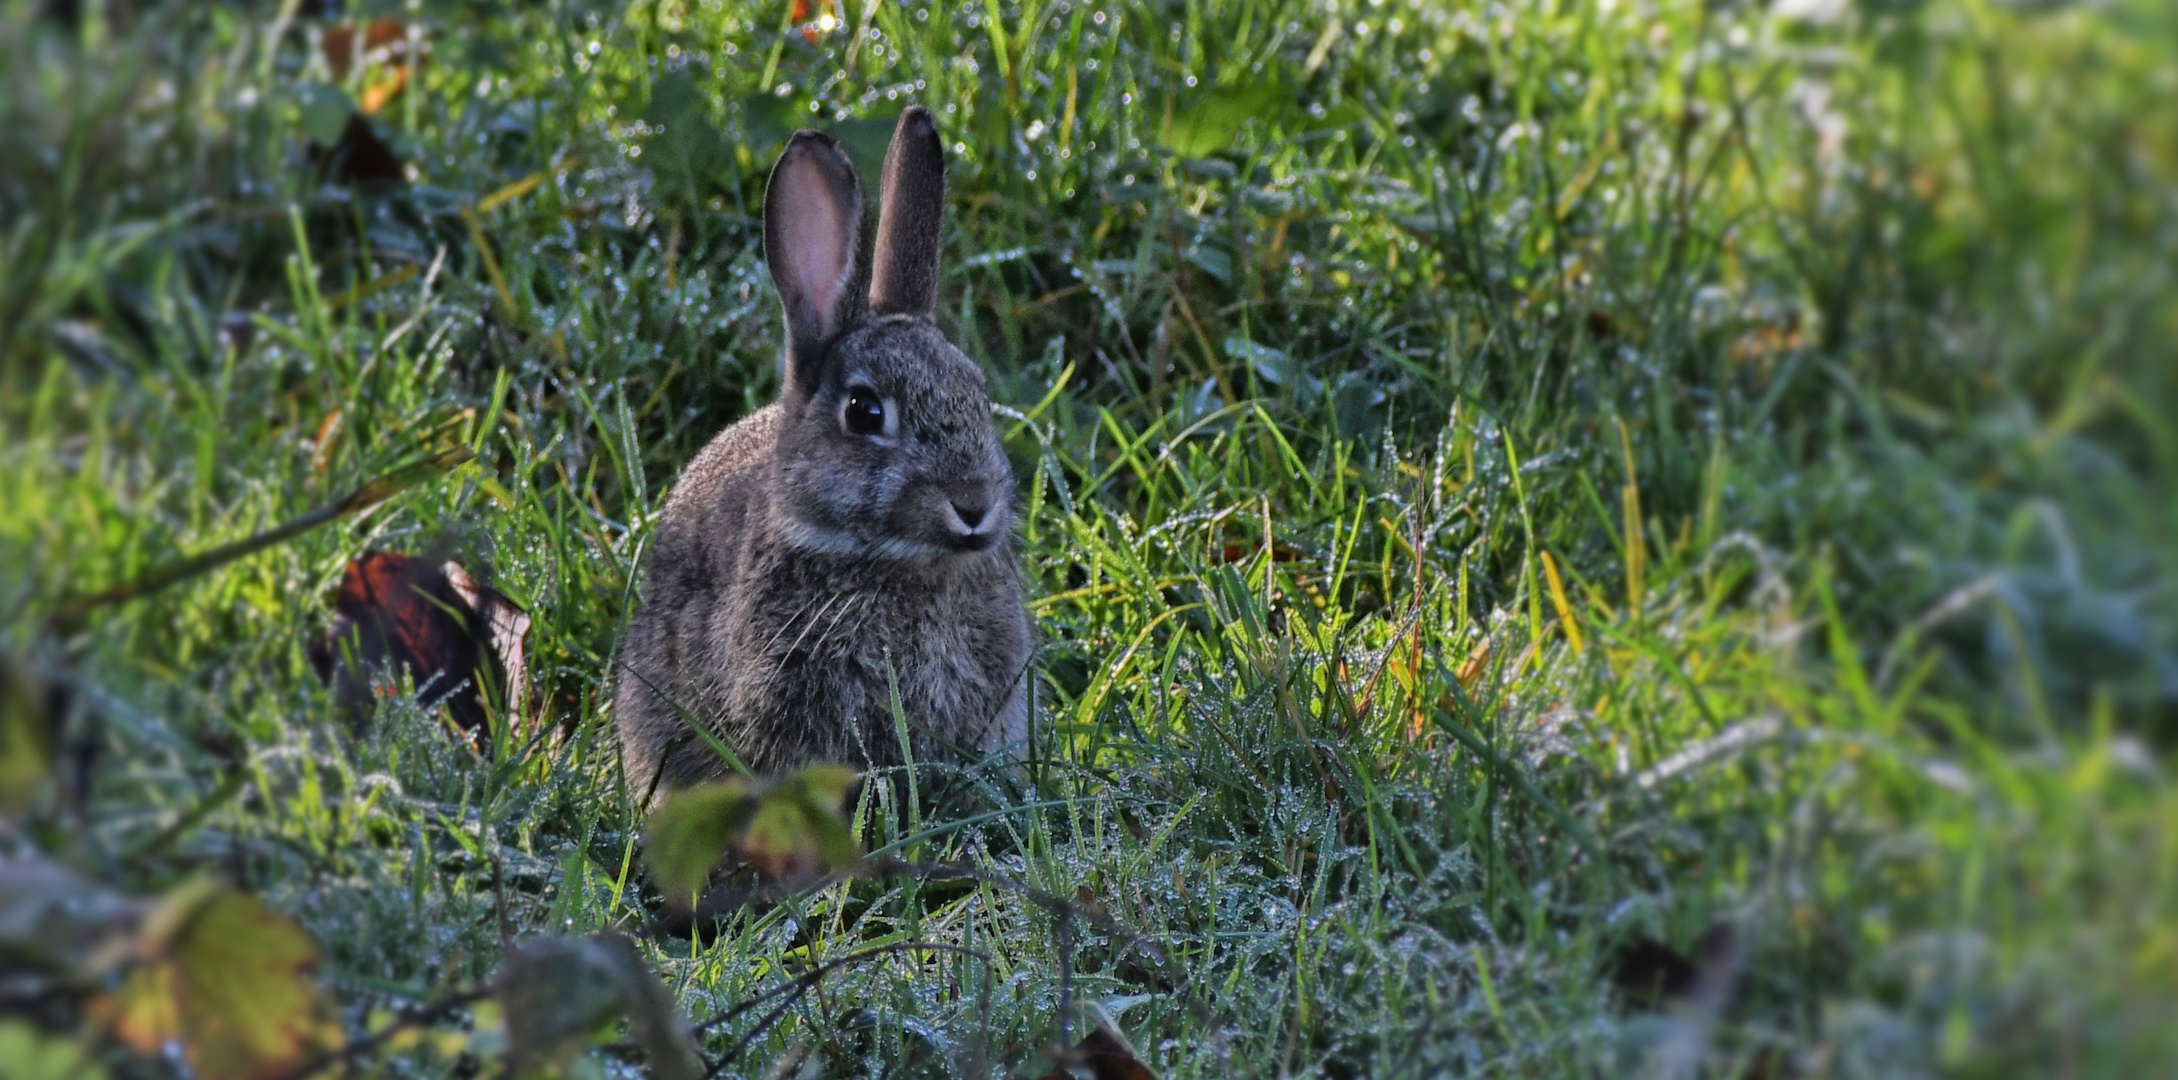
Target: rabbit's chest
column 851, row 643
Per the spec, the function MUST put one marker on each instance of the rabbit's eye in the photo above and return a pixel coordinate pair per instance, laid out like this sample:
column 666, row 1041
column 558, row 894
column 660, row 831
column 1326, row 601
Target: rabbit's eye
column 865, row 412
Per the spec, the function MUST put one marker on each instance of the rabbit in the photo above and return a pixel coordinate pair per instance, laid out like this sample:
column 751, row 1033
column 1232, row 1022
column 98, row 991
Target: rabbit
column 850, row 537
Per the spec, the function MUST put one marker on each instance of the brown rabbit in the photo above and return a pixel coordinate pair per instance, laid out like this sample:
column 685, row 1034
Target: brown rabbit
column 849, row 537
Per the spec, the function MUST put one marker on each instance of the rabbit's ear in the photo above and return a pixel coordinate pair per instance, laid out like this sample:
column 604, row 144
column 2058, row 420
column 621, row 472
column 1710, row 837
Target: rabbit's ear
column 813, row 246
column 912, row 209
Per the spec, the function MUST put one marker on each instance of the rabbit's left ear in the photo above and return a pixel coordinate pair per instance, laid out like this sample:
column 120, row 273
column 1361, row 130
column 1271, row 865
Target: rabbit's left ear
column 812, row 244
column 911, row 214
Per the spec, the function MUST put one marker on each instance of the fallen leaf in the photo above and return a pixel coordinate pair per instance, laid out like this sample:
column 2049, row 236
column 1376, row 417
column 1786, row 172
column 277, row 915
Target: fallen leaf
column 229, row 979
column 508, row 624
column 382, row 46
column 432, row 617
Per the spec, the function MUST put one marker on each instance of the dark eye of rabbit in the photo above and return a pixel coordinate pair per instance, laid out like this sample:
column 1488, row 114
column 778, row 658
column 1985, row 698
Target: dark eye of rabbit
column 865, row 412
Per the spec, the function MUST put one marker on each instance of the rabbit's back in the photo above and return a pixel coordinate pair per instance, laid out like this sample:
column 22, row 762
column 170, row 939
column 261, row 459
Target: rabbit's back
column 673, row 639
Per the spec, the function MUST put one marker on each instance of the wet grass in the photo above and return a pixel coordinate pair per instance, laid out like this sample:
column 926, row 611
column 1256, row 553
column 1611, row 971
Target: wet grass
column 1508, row 491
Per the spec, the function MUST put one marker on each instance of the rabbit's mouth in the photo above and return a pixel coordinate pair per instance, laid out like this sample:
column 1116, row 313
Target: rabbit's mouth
column 969, row 543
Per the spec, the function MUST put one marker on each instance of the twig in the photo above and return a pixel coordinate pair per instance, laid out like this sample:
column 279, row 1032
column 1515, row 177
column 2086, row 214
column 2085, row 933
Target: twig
column 793, row 990
column 361, row 499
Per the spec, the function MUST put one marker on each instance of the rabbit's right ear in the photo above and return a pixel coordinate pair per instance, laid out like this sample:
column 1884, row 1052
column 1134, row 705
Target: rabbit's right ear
column 911, row 217
column 812, row 245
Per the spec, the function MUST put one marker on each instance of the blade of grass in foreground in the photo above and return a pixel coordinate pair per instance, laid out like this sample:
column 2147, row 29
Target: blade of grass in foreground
column 357, row 501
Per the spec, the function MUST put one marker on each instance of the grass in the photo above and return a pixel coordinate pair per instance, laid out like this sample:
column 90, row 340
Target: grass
column 1506, row 491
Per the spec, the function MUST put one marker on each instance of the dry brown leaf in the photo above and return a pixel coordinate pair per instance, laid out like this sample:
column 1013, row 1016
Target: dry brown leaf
column 435, row 619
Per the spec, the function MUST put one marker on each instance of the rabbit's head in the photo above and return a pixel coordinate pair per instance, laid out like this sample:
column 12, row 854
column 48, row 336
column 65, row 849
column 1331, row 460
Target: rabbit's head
column 885, row 448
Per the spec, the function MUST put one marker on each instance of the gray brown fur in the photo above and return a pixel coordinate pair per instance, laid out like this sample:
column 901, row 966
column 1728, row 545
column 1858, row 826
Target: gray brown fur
column 796, row 559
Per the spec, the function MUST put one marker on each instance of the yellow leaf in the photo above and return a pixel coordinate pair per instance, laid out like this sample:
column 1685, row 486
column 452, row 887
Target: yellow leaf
column 508, row 194
column 230, row 979
column 1557, row 600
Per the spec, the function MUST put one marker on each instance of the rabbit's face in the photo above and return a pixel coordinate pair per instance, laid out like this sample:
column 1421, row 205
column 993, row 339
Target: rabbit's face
column 891, row 453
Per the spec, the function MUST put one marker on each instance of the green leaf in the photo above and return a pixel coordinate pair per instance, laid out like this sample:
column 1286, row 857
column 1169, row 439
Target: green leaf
column 322, row 111
column 685, row 151
column 799, row 832
column 26, row 741
column 555, row 993
column 33, row 1055
column 828, row 785
column 229, row 979
column 866, row 141
column 652, row 1018
column 692, row 832
column 1209, row 122
column 793, row 828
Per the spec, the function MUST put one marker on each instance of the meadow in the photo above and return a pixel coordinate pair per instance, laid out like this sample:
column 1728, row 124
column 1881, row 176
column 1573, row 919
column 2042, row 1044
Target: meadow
column 1568, row 537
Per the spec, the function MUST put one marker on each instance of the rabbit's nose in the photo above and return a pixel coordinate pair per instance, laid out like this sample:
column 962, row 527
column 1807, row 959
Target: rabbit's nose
column 971, row 513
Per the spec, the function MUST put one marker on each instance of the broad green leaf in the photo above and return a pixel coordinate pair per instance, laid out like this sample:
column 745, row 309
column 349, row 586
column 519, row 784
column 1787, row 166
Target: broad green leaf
column 685, row 150
column 1207, row 123
column 555, row 993
column 691, row 832
column 828, row 785
column 229, row 979
column 30, row 1054
column 322, row 111
column 26, row 741
column 793, row 828
column 652, row 1018
column 798, row 832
